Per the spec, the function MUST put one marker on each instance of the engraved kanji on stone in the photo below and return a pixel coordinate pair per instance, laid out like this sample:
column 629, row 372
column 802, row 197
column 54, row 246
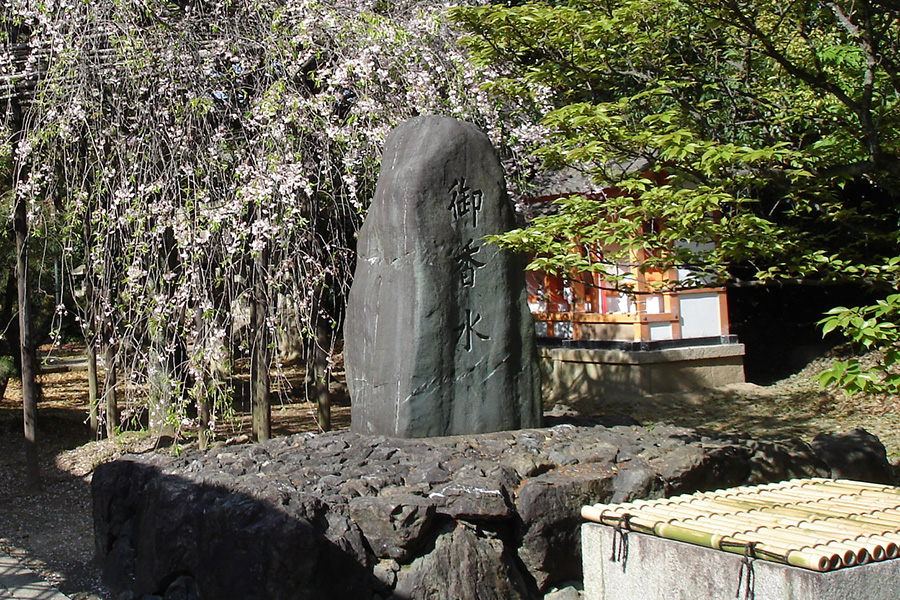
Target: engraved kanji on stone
column 467, row 330
column 432, row 301
column 465, row 201
column 467, row 263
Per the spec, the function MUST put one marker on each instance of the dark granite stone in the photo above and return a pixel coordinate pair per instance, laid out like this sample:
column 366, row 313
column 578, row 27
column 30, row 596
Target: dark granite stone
column 856, row 455
column 501, row 510
column 393, row 524
column 472, row 498
column 464, row 564
column 635, row 479
column 439, row 339
column 549, row 507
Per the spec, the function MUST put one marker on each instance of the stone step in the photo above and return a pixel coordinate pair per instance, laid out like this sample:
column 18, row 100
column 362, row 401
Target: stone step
column 20, row 583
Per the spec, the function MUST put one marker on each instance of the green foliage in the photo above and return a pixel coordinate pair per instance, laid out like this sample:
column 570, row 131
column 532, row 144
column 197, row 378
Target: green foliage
column 868, row 328
column 7, row 367
column 762, row 134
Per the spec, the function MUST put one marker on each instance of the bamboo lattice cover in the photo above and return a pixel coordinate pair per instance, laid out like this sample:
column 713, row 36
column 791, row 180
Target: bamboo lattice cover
column 818, row 524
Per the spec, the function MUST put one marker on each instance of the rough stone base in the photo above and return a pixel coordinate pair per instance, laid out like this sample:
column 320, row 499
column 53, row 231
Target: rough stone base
column 660, row 569
column 344, row 516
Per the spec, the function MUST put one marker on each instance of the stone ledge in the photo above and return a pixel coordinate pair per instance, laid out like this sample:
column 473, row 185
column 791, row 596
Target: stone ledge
column 582, row 378
column 644, row 357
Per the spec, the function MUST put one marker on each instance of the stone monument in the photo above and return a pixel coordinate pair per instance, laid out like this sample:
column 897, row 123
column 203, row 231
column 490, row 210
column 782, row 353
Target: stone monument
column 438, row 337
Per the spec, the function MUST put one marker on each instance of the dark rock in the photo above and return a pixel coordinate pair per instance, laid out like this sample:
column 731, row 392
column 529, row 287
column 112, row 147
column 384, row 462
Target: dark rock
column 561, row 458
column 855, row 455
column 729, row 462
column 443, row 339
column 234, row 546
column 787, row 459
column 598, row 452
column 355, row 488
column 472, row 498
column 385, row 573
column 278, row 521
column 529, row 465
column 429, row 475
column 393, row 525
column 635, row 479
column 183, row 588
column 685, row 467
column 347, row 541
column 464, row 564
column 549, row 507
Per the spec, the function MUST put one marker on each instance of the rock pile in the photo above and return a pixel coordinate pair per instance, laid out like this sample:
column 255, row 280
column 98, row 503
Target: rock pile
column 341, row 515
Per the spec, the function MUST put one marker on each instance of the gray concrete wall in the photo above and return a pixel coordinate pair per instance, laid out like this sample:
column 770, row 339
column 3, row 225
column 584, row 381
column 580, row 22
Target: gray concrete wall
column 660, row 569
column 581, row 377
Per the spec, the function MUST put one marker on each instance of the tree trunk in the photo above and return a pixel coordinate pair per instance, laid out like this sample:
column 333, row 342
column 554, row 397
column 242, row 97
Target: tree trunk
column 110, row 402
column 26, row 338
column 90, row 351
column 260, row 352
column 203, row 434
column 160, row 392
column 216, row 394
column 26, row 344
column 92, row 329
column 259, row 371
column 93, row 396
column 320, row 374
column 168, row 373
column 203, row 384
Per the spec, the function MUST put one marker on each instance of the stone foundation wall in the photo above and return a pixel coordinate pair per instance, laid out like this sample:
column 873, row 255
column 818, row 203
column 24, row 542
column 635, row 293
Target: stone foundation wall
column 341, row 515
column 581, row 377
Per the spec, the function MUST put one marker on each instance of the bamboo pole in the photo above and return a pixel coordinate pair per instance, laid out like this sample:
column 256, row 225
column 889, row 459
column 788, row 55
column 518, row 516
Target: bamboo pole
column 886, row 522
column 850, row 553
column 822, row 523
column 836, row 506
column 871, row 498
column 827, row 521
column 817, row 560
column 844, row 509
column 854, row 485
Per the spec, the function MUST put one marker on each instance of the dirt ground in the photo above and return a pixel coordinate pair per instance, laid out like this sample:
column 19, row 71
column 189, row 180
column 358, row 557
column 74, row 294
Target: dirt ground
column 793, row 407
column 52, row 531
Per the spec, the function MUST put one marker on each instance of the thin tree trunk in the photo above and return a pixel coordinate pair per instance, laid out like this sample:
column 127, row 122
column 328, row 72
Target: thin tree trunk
column 320, row 373
column 93, row 396
column 259, row 369
column 90, row 352
column 203, row 434
column 93, row 328
column 29, row 382
column 26, row 338
column 111, row 358
column 216, row 393
column 160, row 392
column 204, row 384
column 168, row 376
column 109, row 393
column 260, row 353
